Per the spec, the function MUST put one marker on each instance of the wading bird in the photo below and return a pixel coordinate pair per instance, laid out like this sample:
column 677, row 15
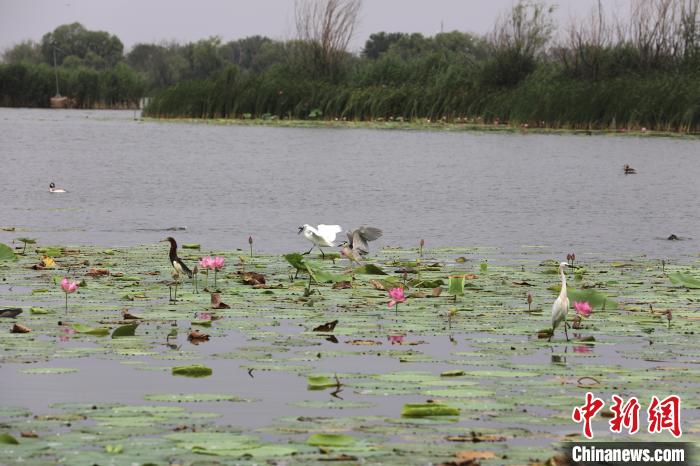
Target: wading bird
column 629, row 170
column 176, row 281
column 358, row 239
column 351, row 255
column 54, row 189
column 322, row 236
column 561, row 306
column 179, row 266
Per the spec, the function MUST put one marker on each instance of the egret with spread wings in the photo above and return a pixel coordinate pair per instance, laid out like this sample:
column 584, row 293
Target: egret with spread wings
column 320, row 237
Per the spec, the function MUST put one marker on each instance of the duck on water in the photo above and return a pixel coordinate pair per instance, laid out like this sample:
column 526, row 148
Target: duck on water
column 54, row 189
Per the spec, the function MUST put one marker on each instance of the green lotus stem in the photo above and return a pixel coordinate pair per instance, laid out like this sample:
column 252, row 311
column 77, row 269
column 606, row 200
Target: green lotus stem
column 216, row 271
column 66, row 302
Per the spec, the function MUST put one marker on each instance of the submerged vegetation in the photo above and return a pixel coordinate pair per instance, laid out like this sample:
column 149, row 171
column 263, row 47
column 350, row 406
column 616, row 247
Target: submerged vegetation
column 640, row 72
column 312, row 369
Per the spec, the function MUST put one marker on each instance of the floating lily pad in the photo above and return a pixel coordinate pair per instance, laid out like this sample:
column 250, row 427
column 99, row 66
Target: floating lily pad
column 453, row 373
column 684, row 279
column 193, row 397
column 49, row 370
column 8, row 439
column 125, row 331
column 370, row 269
column 320, row 382
column 331, row 440
column 192, row 371
column 6, row 253
column 428, row 410
column 81, row 328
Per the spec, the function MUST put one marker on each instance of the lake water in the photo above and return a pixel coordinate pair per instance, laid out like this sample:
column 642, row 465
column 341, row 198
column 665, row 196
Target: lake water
column 129, row 179
column 517, row 196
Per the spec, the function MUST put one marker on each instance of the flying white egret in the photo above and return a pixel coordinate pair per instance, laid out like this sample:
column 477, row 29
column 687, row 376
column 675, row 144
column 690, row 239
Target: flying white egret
column 561, row 306
column 322, row 236
column 54, row 189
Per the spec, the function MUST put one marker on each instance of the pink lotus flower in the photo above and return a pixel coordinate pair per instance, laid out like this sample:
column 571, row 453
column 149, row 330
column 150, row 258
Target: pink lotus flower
column 205, row 263
column 395, row 339
column 397, row 296
column 582, row 308
column 582, row 349
column 68, row 287
column 217, row 263
column 204, row 316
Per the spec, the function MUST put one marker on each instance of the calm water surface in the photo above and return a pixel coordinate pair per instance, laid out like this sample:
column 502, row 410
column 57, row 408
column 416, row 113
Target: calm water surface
column 128, row 179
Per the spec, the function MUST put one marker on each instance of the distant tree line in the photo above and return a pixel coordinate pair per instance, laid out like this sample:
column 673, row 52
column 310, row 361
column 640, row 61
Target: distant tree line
column 643, row 71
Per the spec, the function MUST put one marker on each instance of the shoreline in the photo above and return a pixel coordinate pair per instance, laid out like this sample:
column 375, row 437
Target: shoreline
column 422, row 126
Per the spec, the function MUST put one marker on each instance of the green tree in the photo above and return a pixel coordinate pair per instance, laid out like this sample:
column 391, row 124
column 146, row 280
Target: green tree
column 379, row 43
column 28, row 52
column 98, row 48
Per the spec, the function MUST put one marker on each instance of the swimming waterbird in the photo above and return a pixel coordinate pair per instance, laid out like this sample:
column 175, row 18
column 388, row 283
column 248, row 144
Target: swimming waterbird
column 561, row 306
column 54, row 189
column 322, row 236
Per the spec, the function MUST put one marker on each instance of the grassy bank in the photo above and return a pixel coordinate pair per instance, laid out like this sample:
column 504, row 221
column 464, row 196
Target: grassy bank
column 546, row 99
column 423, row 125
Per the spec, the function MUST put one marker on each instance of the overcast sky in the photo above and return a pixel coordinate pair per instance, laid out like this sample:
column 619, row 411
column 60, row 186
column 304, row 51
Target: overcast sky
column 135, row 21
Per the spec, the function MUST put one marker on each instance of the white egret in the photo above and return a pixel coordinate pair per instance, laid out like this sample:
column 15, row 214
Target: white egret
column 561, row 306
column 322, row 236
column 54, row 189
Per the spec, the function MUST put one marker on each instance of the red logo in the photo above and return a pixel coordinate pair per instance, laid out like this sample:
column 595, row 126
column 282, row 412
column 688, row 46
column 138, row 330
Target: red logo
column 665, row 415
column 587, row 412
column 662, row 415
column 626, row 416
